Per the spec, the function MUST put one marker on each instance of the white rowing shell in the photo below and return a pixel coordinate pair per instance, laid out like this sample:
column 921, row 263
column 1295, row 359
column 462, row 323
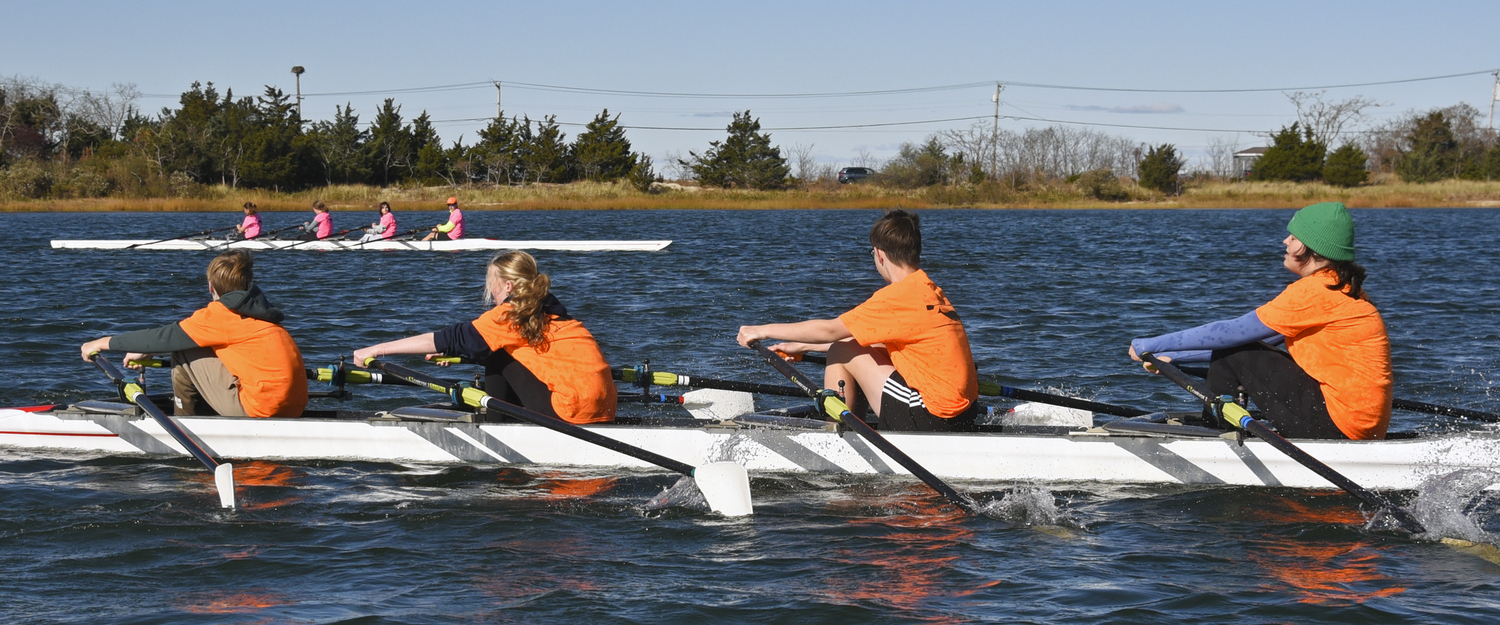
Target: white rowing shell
column 420, row 246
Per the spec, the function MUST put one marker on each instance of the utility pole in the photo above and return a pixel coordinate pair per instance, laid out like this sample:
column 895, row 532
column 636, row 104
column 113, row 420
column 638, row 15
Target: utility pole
column 1494, row 95
column 995, row 134
column 499, row 111
column 297, row 71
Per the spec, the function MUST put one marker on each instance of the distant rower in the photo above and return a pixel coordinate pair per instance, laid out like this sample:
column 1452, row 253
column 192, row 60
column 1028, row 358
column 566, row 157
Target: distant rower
column 250, row 228
column 321, row 226
column 454, row 229
column 385, row 228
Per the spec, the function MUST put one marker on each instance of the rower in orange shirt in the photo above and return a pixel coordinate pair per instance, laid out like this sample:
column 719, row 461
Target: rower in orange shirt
column 535, row 355
column 231, row 357
column 904, row 349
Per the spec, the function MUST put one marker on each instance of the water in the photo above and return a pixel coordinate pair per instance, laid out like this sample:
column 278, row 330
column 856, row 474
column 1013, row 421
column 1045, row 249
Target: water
column 1050, row 299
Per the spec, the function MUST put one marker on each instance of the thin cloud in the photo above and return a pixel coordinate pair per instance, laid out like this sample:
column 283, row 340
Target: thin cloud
column 1139, row 109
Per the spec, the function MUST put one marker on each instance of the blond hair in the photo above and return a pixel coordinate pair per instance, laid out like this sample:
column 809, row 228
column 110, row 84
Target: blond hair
column 231, row 271
column 526, row 297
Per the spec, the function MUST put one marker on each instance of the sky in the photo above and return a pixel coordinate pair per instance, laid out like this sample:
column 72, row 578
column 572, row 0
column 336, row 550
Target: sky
column 674, row 72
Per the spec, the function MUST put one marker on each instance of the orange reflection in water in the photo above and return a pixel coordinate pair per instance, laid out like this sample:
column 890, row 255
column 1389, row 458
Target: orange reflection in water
column 912, row 564
column 229, row 602
column 558, row 486
column 1322, row 572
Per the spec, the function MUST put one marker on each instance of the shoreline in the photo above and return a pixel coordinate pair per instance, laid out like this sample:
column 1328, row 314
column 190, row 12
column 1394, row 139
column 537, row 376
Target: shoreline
column 614, row 196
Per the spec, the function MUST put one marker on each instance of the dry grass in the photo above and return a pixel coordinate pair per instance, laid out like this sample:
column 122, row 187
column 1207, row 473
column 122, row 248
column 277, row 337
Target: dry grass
column 1385, row 192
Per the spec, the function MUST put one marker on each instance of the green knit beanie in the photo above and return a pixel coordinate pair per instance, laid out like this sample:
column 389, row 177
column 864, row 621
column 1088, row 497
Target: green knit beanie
column 1325, row 228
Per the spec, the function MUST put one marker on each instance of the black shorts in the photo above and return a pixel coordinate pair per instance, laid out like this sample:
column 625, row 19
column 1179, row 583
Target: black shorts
column 1286, row 396
column 511, row 382
column 443, row 236
column 902, row 410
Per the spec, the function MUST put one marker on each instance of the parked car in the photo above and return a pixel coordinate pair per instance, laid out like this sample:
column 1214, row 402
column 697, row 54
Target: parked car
column 850, row 174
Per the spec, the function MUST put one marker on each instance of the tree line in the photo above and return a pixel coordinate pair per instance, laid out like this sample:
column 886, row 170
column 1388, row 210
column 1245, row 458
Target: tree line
column 58, row 142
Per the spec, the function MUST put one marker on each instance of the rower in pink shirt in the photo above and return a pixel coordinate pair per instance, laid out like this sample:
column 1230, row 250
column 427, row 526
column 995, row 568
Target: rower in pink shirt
column 385, row 228
column 454, row 229
column 250, row 228
column 322, row 223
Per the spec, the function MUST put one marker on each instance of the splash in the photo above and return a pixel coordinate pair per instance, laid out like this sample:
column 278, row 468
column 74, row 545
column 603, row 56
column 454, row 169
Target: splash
column 1032, row 506
column 1446, row 505
column 682, row 494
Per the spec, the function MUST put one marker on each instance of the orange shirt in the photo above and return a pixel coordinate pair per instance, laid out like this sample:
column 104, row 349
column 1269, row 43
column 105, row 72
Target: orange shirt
column 926, row 341
column 583, row 390
column 1341, row 343
column 273, row 382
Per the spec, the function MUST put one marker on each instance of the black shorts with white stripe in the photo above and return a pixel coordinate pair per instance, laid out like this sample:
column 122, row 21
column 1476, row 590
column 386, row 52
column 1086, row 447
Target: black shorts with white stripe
column 902, row 409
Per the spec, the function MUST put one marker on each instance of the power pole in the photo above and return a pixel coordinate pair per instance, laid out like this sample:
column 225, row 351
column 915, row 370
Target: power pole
column 1494, row 95
column 995, row 134
column 297, row 71
column 499, row 111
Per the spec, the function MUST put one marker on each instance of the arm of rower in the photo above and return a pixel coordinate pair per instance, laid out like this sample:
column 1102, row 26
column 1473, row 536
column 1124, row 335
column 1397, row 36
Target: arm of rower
column 419, row 344
column 812, row 331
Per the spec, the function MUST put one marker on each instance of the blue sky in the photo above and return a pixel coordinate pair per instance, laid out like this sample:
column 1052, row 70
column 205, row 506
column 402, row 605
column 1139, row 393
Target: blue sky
column 749, row 50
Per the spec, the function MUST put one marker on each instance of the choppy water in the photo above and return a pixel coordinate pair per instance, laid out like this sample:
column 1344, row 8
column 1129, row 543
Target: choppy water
column 1050, row 299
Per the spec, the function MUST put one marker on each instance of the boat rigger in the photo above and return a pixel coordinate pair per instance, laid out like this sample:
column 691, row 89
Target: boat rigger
column 347, row 245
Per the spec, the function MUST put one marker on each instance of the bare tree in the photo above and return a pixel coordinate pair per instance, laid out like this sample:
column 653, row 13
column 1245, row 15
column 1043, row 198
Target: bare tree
column 108, row 109
column 675, row 167
column 866, row 159
column 974, row 143
column 807, row 163
column 1220, row 156
column 1326, row 120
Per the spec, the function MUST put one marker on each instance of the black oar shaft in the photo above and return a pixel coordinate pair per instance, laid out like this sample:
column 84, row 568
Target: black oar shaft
column 137, row 396
column 1237, row 415
column 663, row 378
column 201, row 232
column 841, row 413
column 558, row 425
column 991, row 389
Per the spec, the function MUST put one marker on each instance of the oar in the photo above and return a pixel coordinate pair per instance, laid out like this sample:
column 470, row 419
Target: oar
column 1236, row 415
column 725, row 485
column 664, row 378
column 1402, row 404
column 838, row 411
column 195, row 234
column 993, row 389
column 273, row 233
column 223, row 472
column 394, row 237
column 330, row 236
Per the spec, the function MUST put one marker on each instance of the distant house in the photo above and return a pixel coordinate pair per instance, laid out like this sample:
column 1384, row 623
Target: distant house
column 1245, row 159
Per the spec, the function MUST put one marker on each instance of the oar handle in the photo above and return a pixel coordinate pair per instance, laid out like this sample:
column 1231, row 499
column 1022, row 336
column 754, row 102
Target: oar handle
column 1237, row 415
column 839, row 411
column 475, row 397
column 137, row 395
column 665, row 378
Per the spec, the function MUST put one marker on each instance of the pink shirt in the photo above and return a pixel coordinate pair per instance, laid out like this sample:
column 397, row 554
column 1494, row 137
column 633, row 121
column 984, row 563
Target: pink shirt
column 251, row 226
column 324, row 223
column 387, row 225
column 456, row 217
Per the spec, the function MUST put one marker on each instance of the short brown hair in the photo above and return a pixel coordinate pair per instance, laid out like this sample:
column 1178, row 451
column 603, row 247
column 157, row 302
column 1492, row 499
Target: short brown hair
column 899, row 234
column 231, row 271
column 250, row 206
column 318, row 205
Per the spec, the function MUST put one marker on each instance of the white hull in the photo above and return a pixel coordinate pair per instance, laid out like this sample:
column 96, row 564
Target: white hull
column 1079, row 457
column 327, row 246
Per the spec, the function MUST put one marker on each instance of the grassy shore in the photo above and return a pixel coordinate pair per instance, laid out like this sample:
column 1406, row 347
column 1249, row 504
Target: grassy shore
column 1385, row 192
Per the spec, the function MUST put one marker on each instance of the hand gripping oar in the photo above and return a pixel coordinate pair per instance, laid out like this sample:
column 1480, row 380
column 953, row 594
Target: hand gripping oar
column 1236, row 415
column 1403, row 404
column 725, row 485
column 992, row 389
column 223, row 472
column 202, row 233
column 838, row 411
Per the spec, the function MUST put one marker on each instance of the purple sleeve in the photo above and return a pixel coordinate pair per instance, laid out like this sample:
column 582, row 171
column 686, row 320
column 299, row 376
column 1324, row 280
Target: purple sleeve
column 1208, row 337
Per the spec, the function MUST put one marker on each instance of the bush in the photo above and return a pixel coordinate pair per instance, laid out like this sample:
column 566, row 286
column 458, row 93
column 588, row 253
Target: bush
column 1102, row 184
column 1346, row 167
column 1159, row 169
column 1434, row 152
column 1294, row 156
column 25, row 180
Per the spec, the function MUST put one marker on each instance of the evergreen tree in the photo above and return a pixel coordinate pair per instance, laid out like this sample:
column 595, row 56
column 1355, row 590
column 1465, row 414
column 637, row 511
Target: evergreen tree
column 273, row 147
column 1293, row 156
column 496, row 153
column 546, row 157
column 1346, row 167
column 430, row 162
column 389, row 149
column 1489, row 164
column 339, row 147
column 602, row 151
column 917, row 166
column 745, row 159
column 1434, row 153
column 1159, row 169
